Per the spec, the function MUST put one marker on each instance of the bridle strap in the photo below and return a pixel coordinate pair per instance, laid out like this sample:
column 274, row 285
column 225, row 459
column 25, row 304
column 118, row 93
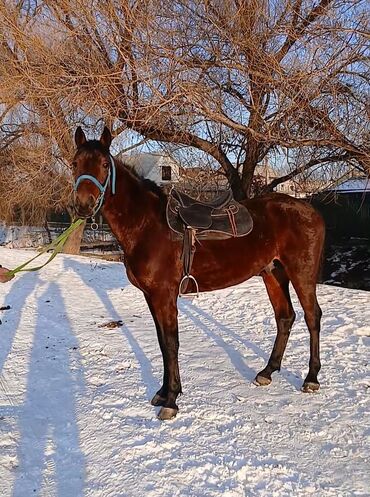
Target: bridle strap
column 93, row 179
column 111, row 178
column 114, row 175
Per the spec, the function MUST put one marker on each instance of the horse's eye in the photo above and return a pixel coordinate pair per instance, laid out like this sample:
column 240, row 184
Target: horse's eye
column 74, row 164
column 105, row 165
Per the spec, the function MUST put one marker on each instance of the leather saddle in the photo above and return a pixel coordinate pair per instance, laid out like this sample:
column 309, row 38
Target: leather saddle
column 192, row 220
column 221, row 218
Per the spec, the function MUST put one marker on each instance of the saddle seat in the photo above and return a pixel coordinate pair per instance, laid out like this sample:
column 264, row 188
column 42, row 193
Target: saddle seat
column 222, row 217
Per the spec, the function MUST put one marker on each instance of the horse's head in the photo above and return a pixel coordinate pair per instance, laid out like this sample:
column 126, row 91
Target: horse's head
column 94, row 172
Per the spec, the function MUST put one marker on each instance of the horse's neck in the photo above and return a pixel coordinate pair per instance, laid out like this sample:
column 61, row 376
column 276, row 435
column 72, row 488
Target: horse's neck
column 132, row 209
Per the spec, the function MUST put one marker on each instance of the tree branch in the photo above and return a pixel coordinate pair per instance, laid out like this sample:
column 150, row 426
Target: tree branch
column 304, row 167
column 298, row 31
column 186, row 138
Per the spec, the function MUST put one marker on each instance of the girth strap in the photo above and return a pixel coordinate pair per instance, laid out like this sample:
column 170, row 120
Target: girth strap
column 187, row 256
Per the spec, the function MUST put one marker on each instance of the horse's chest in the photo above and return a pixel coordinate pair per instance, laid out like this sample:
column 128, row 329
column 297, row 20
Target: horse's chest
column 133, row 277
column 148, row 268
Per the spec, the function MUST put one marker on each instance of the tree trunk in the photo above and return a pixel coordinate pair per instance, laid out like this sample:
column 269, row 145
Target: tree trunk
column 249, row 166
column 247, row 181
column 235, row 183
column 46, row 226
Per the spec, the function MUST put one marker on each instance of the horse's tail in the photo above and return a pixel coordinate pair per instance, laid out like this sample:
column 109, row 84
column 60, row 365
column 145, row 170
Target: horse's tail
column 322, row 254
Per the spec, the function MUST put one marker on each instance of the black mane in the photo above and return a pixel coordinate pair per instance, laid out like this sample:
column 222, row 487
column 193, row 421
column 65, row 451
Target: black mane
column 148, row 184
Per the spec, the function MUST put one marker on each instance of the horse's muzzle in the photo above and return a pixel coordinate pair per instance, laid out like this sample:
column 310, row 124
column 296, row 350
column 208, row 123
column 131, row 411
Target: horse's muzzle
column 85, row 208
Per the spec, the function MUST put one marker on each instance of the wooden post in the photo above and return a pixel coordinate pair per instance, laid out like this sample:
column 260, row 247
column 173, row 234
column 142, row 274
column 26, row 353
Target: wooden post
column 73, row 244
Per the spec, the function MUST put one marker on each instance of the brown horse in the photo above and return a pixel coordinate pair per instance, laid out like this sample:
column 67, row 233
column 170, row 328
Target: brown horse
column 284, row 246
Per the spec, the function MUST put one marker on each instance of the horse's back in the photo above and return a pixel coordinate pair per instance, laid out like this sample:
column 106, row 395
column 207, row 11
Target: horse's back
column 296, row 227
column 279, row 213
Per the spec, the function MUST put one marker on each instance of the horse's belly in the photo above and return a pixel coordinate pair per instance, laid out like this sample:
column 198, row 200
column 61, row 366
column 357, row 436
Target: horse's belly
column 220, row 264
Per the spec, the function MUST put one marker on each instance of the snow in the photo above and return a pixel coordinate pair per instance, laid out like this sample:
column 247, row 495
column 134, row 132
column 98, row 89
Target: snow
column 75, row 417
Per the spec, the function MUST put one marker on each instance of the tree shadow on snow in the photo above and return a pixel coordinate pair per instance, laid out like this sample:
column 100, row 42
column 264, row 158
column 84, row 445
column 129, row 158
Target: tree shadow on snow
column 98, row 273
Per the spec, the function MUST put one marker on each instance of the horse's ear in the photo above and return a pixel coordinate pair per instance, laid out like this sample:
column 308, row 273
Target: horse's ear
column 106, row 138
column 80, row 137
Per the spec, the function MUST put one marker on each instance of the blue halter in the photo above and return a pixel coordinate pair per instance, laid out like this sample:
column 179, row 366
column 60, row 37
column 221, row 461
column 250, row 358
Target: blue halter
column 111, row 177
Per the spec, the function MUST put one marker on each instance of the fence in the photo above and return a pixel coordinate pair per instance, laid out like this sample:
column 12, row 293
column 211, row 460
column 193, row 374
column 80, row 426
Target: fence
column 17, row 236
column 346, row 215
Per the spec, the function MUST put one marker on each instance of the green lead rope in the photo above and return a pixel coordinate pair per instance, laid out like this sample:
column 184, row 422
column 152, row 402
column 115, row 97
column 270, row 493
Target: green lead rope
column 56, row 246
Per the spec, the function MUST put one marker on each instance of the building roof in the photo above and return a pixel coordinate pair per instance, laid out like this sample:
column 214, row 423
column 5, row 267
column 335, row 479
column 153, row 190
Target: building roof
column 143, row 163
column 354, row 185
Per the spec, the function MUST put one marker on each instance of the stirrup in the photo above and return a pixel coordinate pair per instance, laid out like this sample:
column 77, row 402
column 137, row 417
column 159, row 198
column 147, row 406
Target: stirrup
column 188, row 277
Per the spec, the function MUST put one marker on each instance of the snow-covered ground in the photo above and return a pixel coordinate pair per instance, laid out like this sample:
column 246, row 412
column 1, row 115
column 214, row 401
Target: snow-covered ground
column 75, row 417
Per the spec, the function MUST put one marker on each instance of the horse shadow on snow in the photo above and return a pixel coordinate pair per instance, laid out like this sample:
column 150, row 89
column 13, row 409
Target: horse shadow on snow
column 48, row 449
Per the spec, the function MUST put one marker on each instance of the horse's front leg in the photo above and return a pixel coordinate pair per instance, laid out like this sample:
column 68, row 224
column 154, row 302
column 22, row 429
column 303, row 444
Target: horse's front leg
column 164, row 311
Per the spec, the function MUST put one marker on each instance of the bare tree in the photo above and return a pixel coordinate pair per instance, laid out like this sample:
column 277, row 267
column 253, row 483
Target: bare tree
column 35, row 125
column 30, row 183
column 240, row 81
column 247, row 79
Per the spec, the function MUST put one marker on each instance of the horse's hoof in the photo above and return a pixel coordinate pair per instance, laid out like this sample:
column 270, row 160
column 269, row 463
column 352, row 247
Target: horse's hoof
column 157, row 400
column 167, row 413
column 261, row 381
column 310, row 386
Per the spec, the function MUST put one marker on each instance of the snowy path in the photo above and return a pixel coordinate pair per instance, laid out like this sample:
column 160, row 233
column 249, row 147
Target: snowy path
column 75, row 418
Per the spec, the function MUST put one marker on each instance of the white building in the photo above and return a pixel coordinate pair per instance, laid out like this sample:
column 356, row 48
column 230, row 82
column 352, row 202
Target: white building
column 161, row 169
column 294, row 187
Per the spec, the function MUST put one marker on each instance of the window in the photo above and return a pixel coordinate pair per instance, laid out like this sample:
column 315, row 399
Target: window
column 166, row 173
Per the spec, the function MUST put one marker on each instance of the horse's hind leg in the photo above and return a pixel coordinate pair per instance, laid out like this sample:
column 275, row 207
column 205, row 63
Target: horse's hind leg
column 304, row 279
column 277, row 285
column 312, row 316
column 301, row 261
